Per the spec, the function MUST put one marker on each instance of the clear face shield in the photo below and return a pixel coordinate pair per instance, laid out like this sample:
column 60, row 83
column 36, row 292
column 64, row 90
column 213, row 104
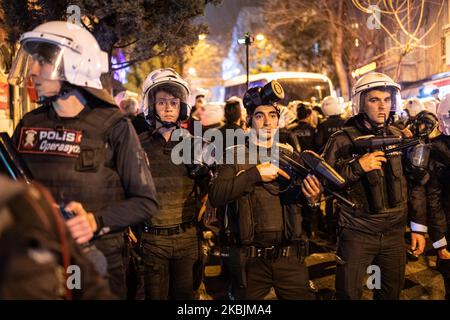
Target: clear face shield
column 444, row 123
column 37, row 58
column 396, row 101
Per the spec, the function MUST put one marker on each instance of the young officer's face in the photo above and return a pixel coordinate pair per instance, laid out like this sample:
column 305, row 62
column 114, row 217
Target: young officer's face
column 167, row 107
column 40, row 73
column 265, row 122
column 377, row 105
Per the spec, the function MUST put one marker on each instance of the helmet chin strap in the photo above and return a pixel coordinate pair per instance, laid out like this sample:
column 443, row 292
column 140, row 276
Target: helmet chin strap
column 375, row 127
column 165, row 124
column 63, row 92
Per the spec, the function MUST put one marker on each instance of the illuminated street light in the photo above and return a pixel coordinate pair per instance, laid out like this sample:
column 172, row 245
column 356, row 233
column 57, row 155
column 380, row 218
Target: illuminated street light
column 192, row 71
column 260, row 37
column 201, row 36
column 247, row 40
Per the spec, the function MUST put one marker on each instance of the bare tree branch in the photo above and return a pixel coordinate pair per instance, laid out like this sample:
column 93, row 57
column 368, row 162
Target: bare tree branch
column 125, row 45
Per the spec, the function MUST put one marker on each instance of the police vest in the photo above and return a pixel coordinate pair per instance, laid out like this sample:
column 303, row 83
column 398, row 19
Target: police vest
column 379, row 191
column 174, row 188
column 241, row 215
column 72, row 157
column 332, row 125
column 440, row 153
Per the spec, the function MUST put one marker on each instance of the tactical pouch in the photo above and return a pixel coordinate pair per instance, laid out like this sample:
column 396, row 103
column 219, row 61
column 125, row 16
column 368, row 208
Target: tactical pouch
column 396, row 186
column 246, row 220
column 90, row 155
column 303, row 250
column 293, row 222
column 374, row 180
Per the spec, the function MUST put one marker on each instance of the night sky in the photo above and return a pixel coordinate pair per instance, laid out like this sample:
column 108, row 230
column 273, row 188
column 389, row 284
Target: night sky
column 222, row 18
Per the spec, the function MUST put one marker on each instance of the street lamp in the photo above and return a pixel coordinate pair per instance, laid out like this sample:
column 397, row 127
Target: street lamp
column 201, row 36
column 260, row 37
column 247, row 41
column 192, row 71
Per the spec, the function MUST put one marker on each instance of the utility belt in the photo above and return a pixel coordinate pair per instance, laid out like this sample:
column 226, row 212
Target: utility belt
column 299, row 250
column 182, row 227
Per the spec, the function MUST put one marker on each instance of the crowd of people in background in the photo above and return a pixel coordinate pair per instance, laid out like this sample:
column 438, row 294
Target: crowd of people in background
column 156, row 223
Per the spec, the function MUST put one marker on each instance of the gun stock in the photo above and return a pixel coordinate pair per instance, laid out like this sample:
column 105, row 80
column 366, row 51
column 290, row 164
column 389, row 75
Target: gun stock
column 315, row 165
column 11, row 163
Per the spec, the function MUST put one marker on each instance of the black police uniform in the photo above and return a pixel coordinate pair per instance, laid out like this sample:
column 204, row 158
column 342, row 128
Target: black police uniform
column 372, row 233
column 269, row 232
column 325, row 129
column 169, row 240
column 305, row 134
column 302, row 137
column 39, row 258
column 430, row 202
column 323, row 132
column 94, row 158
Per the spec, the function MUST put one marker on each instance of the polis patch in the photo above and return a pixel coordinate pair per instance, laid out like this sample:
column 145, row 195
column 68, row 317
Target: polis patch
column 59, row 142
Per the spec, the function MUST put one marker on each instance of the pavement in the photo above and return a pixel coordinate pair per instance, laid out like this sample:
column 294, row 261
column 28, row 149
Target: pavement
column 422, row 281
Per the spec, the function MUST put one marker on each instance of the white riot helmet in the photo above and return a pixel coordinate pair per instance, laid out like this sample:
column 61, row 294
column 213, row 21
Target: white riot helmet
column 128, row 101
column 71, row 50
column 160, row 79
column 198, row 92
column 331, row 106
column 375, row 80
column 430, row 105
column 123, row 95
column 414, row 106
column 443, row 114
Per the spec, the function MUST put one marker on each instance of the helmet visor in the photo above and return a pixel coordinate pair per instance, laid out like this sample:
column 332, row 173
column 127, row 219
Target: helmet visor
column 395, row 101
column 37, row 58
column 444, row 123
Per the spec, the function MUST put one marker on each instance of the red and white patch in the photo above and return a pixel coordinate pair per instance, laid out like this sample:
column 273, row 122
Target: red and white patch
column 59, row 142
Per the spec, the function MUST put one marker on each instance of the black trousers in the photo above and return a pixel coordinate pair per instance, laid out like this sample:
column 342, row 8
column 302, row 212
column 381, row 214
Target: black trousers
column 168, row 264
column 357, row 251
column 443, row 267
column 330, row 217
column 287, row 275
column 233, row 268
column 115, row 251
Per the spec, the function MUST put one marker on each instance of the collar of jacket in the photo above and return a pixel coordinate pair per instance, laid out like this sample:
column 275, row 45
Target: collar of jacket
column 359, row 122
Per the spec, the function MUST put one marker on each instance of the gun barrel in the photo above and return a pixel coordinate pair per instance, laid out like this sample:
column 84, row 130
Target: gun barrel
column 342, row 198
column 323, row 169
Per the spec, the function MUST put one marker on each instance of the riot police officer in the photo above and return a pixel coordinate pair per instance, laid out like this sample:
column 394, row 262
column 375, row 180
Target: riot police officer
column 78, row 143
column 372, row 232
column 332, row 109
column 430, row 192
column 269, row 229
column 304, row 131
column 169, row 240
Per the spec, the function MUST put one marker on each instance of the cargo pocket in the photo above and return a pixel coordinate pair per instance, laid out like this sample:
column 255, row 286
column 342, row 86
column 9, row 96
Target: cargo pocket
column 375, row 189
column 91, row 154
column 293, row 221
column 396, row 184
